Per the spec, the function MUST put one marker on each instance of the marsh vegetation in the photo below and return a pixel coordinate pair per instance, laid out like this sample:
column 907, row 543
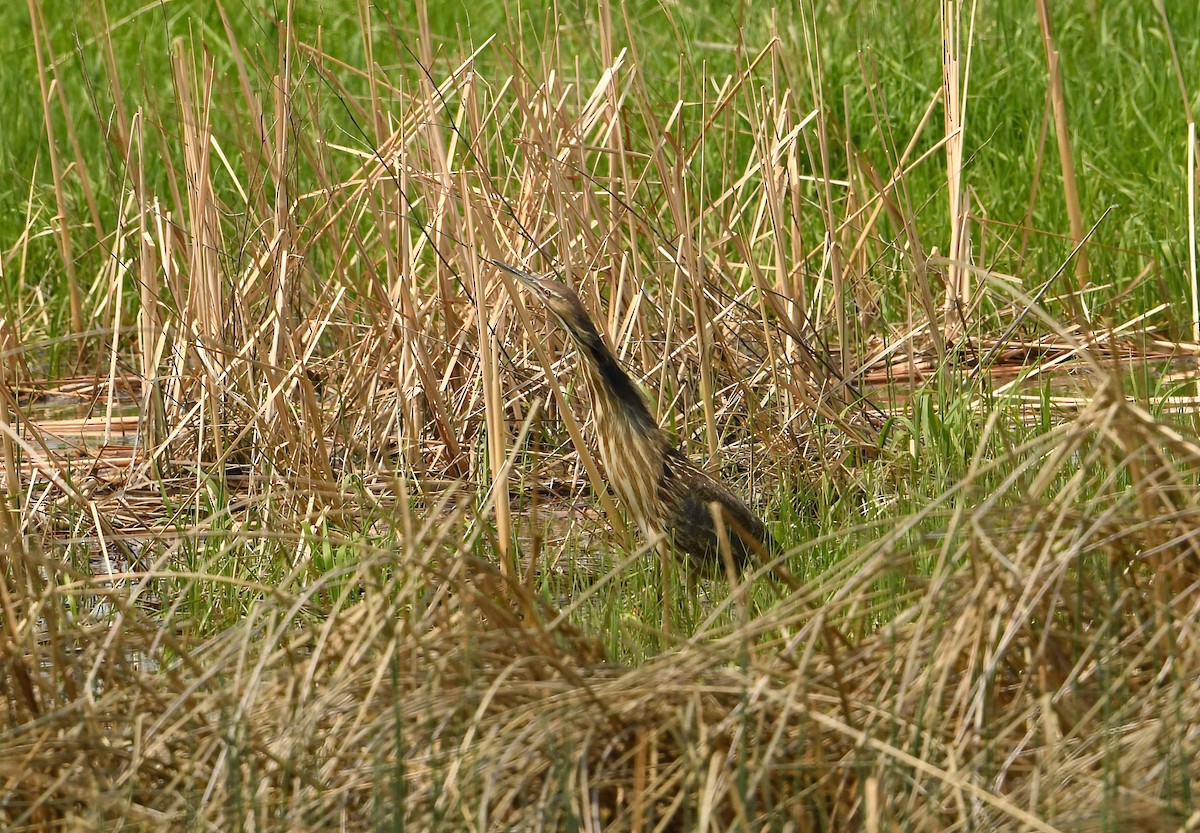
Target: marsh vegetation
column 304, row 529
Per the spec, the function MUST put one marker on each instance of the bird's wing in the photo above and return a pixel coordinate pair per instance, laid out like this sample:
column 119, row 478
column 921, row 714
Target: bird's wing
column 691, row 525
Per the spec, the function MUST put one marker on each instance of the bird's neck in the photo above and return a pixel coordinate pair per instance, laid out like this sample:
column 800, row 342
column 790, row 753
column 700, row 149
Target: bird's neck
column 611, row 384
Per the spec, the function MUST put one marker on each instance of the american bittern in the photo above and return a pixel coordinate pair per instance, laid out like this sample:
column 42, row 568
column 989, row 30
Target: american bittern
column 665, row 492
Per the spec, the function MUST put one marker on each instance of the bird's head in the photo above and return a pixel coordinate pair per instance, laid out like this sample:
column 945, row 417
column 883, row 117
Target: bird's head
column 562, row 302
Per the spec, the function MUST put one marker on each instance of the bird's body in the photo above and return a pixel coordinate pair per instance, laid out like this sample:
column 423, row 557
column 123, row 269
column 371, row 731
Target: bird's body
column 664, row 491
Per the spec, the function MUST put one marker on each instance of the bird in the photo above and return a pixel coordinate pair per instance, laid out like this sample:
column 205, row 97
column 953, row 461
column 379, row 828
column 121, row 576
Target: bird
column 667, row 494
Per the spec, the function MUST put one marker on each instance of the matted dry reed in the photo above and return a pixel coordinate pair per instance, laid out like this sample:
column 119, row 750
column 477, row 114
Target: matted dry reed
column 1005, row 689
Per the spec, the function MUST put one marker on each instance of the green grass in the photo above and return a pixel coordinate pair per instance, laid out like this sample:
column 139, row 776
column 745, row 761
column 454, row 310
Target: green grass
column 1125, row 108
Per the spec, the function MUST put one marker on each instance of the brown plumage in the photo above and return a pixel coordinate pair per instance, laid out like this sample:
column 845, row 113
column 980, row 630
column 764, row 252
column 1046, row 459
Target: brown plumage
column 663, row 490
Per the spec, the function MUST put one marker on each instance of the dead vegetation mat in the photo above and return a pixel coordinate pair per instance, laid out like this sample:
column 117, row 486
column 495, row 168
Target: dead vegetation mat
column 1039, row 674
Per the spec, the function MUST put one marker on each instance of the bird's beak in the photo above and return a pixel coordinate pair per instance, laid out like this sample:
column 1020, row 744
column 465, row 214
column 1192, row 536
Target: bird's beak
column 526, row 278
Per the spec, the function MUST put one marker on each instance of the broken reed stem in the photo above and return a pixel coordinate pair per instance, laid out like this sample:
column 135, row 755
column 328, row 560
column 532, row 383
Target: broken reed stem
column 1191, row 197
column 497, row 434
column 63, row 226
column 205, row 305
column 12, row 482
column 1065, row 157
column 149, row 326
column 1191, row 218
column 954, row 95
